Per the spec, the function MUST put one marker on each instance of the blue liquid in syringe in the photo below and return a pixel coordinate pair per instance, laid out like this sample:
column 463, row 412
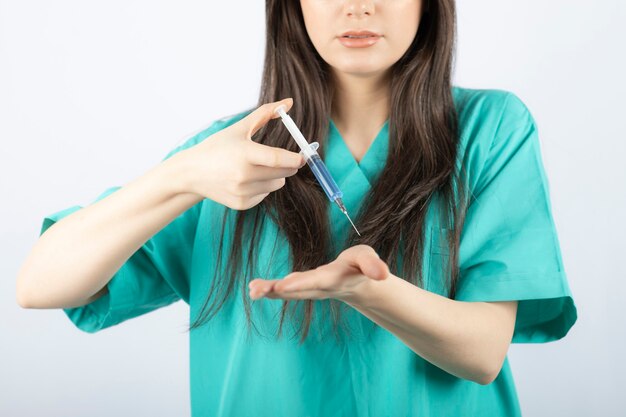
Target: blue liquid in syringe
column 328, row 184
column 325, row 179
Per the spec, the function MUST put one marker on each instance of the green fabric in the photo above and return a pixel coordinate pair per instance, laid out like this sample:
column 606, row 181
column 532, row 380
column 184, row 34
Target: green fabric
column 509, row 251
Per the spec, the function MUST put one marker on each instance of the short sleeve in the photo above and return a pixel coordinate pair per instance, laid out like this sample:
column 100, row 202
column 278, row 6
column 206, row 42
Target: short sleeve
column 156, row 275
column 509, row 245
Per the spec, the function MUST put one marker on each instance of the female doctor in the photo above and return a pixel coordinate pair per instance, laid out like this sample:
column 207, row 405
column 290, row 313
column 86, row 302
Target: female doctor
column 293, row 313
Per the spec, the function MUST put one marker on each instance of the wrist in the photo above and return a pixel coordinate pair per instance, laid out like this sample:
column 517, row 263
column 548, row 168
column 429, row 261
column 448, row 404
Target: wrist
column 362, row 295
column 174, row 176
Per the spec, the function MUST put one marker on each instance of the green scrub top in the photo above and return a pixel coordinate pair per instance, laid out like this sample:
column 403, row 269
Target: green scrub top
column 509, row 251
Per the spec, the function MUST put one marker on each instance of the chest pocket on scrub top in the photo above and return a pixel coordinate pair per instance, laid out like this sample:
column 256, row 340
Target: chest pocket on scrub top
column 438, row 257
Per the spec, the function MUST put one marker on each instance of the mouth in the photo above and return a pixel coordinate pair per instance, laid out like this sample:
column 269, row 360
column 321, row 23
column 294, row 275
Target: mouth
column 359, row 39
column 359, row 34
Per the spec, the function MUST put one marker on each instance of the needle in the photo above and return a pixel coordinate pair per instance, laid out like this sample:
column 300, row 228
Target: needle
column 343, row 209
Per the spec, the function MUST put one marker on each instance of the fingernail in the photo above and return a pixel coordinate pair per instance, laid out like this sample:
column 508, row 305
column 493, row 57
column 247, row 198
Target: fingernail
column 278, row 107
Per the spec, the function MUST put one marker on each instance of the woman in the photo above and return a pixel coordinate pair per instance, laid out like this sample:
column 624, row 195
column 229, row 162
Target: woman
column 458, row 256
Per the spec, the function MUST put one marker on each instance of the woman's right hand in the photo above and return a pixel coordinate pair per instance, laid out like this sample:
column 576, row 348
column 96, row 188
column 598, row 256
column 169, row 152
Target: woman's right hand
column 233, row 170
column 228, row 167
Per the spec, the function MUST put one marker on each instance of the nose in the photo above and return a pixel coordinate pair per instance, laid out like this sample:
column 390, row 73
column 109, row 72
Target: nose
column 359, row 8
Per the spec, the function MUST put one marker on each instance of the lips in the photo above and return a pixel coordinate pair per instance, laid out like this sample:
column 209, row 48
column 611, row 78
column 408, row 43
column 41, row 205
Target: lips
column 359, row 38
column 359, row 34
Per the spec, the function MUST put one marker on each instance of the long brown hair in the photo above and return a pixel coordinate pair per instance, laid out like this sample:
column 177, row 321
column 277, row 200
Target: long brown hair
column 423, row 139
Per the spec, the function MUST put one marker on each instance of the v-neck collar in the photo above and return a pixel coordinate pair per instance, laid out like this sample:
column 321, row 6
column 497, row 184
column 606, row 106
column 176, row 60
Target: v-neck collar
column 354, row 179
column 339, row 156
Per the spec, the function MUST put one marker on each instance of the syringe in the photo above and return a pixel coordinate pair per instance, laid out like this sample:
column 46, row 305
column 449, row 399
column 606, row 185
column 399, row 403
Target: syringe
column 309, row 152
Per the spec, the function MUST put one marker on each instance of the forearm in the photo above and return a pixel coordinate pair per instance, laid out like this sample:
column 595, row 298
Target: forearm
column 77, row 256
column 466, row 339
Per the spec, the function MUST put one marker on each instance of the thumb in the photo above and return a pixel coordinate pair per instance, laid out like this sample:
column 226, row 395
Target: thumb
column 366, row 259
column 263, row 114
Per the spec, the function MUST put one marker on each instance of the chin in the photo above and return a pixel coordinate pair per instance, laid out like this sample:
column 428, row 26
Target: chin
column 364, row 67
column 363, row 70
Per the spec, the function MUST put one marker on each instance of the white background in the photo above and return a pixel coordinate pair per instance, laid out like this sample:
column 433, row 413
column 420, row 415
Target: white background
column 93, row 94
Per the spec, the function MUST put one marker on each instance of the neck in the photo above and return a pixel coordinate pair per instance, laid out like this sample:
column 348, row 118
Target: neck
column 360, row 103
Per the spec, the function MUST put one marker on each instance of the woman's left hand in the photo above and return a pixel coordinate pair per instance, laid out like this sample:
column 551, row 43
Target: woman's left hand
column 344, row 279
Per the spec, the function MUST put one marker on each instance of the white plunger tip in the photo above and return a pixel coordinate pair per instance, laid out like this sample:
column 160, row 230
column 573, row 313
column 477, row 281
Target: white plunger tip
column 281, row 110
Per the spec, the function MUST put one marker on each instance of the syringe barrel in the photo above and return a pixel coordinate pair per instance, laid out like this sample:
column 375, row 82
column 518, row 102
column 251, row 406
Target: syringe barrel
column 324, row 178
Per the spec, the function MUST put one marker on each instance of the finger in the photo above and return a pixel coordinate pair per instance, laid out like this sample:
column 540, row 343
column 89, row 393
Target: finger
column 262, row 284
column 254, row 200
column 260, row 287
column 374, row 268
column 270, row 156
column 297, row 295
column 262, row 173
column 263, row 114
column 366, row 259
column 261, row 187
column 313, row 280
